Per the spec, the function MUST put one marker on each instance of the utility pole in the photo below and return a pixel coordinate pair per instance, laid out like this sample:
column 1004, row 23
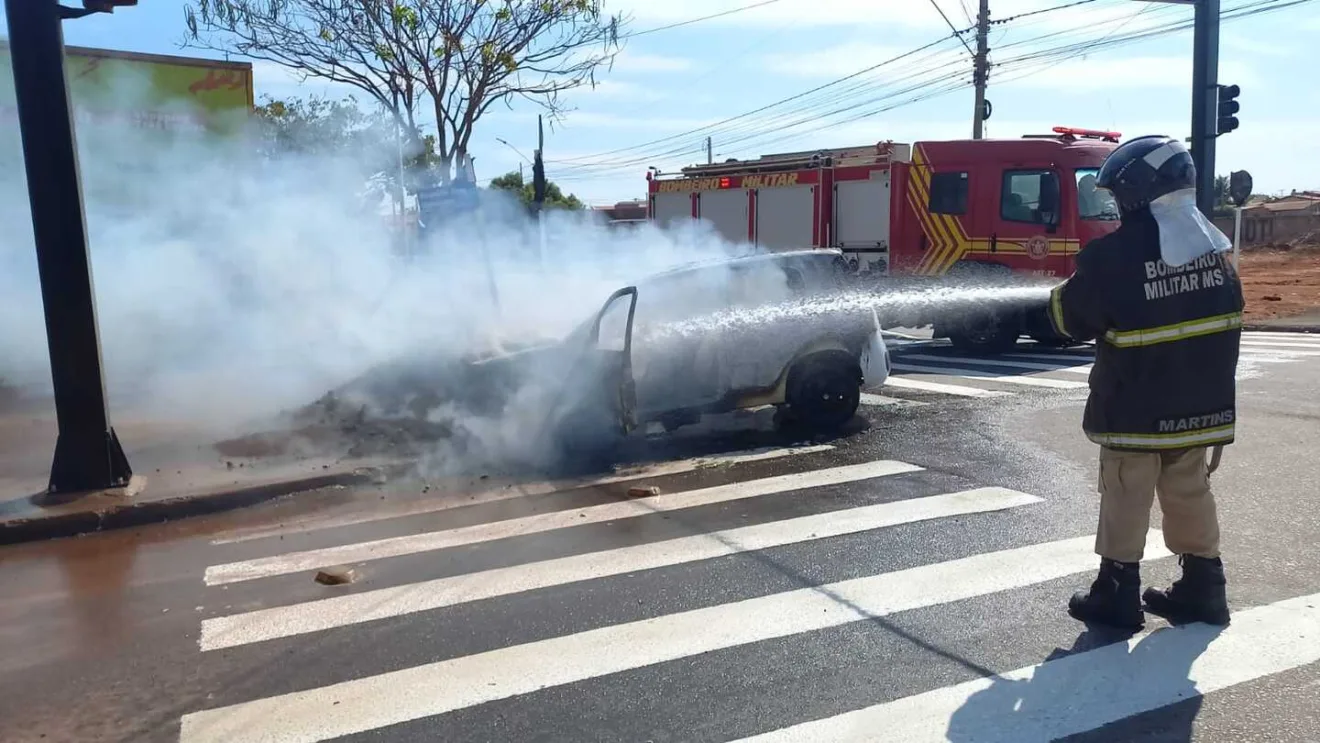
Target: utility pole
column 981, row 71
column 88, row 455
column 1205, row 100
column 710, row 158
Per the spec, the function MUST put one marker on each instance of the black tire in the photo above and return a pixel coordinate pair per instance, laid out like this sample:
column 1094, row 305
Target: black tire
column 986, row 333
column 586, row 439
column 824, row 393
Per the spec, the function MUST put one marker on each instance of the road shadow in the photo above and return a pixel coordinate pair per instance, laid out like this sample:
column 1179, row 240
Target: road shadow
column 1077, row 697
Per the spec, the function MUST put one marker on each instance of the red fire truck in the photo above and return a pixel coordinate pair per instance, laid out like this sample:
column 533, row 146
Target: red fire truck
column 964, row 208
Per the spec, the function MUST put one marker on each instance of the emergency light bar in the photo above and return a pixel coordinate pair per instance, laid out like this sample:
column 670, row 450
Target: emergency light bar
column 1069, row 131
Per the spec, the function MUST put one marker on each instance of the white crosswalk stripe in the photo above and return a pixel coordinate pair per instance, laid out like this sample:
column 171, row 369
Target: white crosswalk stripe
column 923, row 365
column 267, row 624
column 1085, row 691
column 439, row 672
column 291, row 563
column 436, row 688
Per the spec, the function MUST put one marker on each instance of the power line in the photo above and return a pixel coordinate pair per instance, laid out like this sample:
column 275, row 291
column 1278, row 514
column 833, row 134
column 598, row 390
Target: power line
column 952, row 27
column 806, row 112
column 798, row 96
column 1028, row 14
column 594, row 161
column 781, row 129
column 967, row 12
column 691, row 21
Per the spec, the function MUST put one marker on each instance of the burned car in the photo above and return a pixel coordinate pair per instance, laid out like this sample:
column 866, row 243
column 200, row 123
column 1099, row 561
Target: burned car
column 774, row 329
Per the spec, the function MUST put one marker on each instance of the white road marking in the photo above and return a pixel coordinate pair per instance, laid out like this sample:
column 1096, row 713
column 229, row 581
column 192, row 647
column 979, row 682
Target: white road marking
column 1084, row 691
column 293, row 562
column 946, row 389
column 1012, row 364
column 1078, row 358
column 436, row 688
column 1066, row 384
column 342, row 611
column 1299, row 337
column 1276, row 344
column 882, row 400
column 661, row 469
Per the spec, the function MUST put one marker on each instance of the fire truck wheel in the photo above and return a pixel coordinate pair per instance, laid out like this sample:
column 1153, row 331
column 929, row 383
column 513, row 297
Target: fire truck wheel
column 1053, row 341
column 986, row 333
column 824, row 392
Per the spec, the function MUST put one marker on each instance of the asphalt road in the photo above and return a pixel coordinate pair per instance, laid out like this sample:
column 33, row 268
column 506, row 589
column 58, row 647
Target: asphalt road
column 904, row 582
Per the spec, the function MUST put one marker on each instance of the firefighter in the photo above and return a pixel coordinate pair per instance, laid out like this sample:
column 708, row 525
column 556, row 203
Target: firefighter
column 1164, row 305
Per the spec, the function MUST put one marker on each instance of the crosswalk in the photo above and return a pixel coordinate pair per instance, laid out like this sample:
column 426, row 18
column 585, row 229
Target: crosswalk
column 932, row 368
column 621, row 611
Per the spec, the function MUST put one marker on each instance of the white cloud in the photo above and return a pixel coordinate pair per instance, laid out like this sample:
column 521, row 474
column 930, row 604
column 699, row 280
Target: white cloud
column 910, row 14
column 618, row 90
column 1248, row 46
column 278, row 81
column 847, row 59
column 628, row 61
column 1110, row 73
column 785, row 13
column 577, row 120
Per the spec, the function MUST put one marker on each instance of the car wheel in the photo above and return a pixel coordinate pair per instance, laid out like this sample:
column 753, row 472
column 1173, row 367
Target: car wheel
column 825, row 394
column 586, row 439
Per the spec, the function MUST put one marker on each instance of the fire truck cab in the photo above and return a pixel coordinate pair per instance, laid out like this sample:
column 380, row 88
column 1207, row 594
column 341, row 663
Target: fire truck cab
column 941, row 210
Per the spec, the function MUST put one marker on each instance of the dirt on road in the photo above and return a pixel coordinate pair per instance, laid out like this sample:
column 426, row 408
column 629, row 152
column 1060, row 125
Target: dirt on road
column 1281, row 280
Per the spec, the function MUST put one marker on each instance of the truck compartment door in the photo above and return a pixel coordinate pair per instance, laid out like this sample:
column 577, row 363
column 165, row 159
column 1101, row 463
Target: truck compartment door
column 784, row 217
column 671, row 207
column 727, row 213
column 861, row 218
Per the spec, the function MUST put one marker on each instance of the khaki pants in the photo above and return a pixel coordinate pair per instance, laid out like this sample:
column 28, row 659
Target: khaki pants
column 1129, row 482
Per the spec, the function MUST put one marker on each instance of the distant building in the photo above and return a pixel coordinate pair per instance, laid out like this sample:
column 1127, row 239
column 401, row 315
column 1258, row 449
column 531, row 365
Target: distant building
column 1278, row 220
column 622, row 214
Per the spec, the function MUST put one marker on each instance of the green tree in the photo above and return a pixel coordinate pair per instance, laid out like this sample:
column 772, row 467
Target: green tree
column 319, row 126
column 1221, row 191
column 464, row 55
column 554, row 195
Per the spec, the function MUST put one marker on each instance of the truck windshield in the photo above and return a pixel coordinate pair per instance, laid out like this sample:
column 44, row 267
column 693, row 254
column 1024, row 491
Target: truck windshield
column 1093, row 203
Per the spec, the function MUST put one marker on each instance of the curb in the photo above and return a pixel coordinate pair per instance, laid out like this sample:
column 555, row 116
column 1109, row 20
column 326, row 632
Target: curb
column 130, row 514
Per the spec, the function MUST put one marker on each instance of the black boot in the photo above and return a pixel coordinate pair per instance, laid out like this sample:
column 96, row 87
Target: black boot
column 1200, row 595
column 1114, row 598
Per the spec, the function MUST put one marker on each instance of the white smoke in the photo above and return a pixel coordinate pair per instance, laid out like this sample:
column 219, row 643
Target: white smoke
column 230, row 288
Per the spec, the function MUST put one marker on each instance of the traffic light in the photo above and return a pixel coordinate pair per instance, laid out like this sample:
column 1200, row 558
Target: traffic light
column 1228, row 108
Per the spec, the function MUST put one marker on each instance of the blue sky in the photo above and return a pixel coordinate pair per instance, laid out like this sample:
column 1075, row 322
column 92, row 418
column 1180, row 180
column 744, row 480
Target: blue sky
column 666, row 89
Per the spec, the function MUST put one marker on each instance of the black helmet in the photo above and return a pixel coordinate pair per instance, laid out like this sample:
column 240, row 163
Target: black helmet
column 1144, row 169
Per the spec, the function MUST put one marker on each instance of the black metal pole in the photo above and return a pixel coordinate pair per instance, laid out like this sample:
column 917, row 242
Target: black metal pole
column 88, row 455
column 1205, row 100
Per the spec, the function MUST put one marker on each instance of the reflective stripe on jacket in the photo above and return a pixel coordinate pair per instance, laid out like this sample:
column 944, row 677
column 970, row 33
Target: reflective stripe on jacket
column 1166, row 341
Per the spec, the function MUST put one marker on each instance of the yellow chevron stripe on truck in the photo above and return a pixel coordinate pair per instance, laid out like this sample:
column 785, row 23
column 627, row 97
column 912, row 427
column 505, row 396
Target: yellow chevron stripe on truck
column 948, row 241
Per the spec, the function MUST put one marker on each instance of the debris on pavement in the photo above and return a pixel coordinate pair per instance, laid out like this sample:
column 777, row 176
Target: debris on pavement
column 336, row 576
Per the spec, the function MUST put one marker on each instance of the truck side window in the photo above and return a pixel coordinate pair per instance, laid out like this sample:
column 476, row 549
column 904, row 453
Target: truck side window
column 1020, row 200
column 948, row 193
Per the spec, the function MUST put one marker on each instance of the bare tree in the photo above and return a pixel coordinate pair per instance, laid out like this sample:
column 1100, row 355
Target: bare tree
column 465, row 55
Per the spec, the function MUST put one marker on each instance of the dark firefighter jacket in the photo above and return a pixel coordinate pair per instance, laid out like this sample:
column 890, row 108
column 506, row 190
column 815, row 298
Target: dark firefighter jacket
column 1166, row 340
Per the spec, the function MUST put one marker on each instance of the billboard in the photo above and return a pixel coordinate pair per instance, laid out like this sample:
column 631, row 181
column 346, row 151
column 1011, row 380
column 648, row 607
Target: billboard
column 146, row 91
